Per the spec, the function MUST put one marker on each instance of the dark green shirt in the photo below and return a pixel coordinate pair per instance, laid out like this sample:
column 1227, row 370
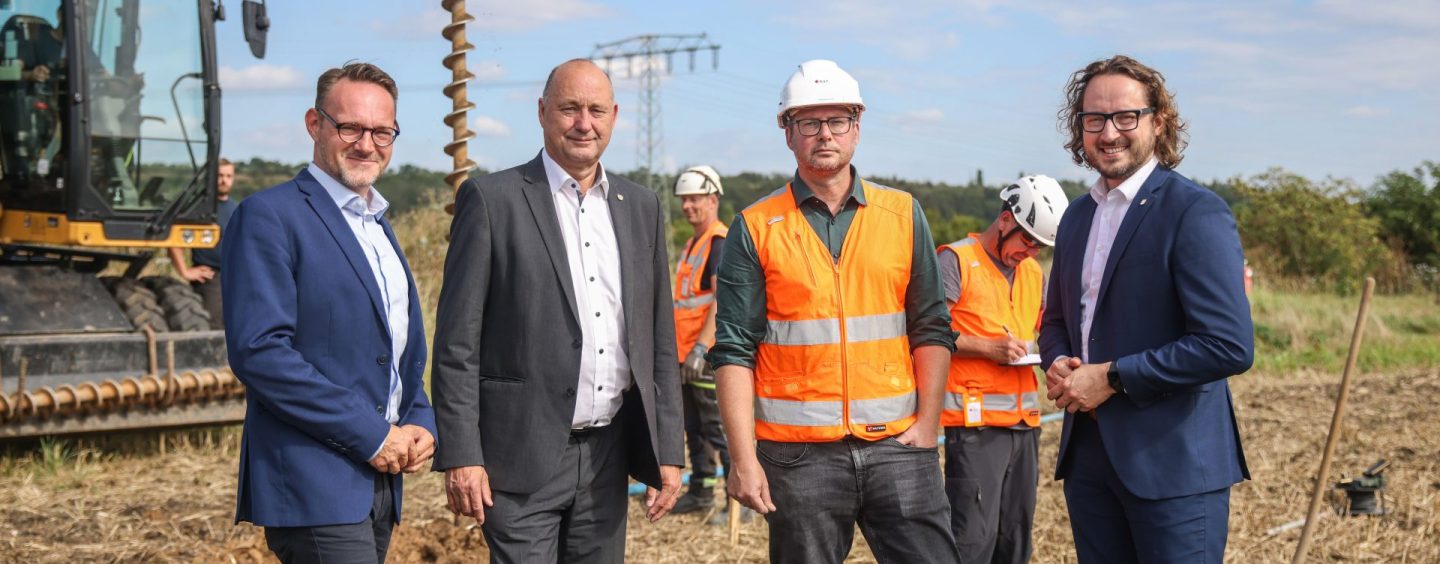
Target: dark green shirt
column 740, row 298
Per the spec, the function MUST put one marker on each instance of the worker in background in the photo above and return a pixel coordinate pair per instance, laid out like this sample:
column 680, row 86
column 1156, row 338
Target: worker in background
column 203, row 269
column 995, row 287
column 699, row 191
column 831, row 344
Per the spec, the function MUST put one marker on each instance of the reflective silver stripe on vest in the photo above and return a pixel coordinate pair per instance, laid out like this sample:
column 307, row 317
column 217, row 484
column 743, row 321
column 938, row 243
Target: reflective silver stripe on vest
column 807, row 332
column 994, row 402
column 694, row 302
column 882, row 410
column 875, row 327
column 827, row 331
column 798, row 413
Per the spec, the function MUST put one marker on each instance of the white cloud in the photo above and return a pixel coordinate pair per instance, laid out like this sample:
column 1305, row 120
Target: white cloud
column 1367, row 112
column 486, row 126
column 260, row 77
column 923, row 116
column 487, row 70
column 505, row 16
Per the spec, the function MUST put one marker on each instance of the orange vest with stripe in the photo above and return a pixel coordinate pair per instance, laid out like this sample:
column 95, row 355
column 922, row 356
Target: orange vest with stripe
column 692, row 305
column 988, row 305
column 835, row 359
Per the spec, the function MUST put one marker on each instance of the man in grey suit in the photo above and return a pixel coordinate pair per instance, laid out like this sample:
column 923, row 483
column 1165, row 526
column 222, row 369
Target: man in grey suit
column 555, row 374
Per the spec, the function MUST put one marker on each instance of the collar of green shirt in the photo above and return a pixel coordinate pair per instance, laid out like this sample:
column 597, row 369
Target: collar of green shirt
column 802, row 192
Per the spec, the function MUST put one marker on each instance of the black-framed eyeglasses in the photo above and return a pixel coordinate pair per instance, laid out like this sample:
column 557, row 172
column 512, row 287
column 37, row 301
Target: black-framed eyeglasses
column 1124, row 120
column 351, row 132
column 837, row 125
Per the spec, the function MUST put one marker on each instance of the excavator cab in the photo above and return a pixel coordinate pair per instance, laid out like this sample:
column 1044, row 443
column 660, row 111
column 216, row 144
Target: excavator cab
column 109, row 144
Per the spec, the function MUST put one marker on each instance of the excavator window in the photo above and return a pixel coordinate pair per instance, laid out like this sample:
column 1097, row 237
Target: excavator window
column 31, row 81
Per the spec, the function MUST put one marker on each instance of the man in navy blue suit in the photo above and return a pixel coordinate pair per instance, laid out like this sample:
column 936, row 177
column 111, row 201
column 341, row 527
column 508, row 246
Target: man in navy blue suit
column 323, row 326
column 1145, row 320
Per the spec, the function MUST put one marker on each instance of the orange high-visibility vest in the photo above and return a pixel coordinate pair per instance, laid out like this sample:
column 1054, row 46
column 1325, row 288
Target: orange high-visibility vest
column 835, row 359
column 692, row 305
column 988, row 305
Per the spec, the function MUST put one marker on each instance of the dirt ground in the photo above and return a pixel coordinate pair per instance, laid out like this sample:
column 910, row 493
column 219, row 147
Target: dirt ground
column 177, row 506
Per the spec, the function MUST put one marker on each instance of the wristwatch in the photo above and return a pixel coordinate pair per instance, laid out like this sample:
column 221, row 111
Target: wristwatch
column 1113, row 377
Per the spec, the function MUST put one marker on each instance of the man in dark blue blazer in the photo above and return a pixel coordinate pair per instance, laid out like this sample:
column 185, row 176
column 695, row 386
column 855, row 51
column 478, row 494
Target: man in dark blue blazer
column 323, row 325
column 1145, row 320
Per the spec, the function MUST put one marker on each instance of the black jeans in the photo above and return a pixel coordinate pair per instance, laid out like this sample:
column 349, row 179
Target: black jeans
column 821, row 490
column 703, row 435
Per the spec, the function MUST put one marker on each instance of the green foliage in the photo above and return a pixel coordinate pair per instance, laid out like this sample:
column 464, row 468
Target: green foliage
column 1294, row 227
column 1407, row 205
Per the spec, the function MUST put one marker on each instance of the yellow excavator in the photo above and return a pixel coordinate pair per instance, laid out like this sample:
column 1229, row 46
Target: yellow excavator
column 109, row 144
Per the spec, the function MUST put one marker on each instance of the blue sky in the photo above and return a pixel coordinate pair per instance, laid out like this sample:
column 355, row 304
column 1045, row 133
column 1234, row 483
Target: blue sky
column 1322, row 88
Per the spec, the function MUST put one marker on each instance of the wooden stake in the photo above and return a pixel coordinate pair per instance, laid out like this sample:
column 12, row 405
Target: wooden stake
column 734, row 521
column 1334, row 436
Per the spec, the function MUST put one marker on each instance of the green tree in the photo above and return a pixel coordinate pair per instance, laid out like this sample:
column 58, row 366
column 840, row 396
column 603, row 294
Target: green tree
column 1408, row 208
column 1293, row 227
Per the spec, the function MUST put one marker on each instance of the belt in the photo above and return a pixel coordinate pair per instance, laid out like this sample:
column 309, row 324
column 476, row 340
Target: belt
column 581, row 432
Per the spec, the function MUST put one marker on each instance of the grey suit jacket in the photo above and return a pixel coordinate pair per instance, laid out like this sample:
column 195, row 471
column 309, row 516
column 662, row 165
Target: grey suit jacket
column 507, row 339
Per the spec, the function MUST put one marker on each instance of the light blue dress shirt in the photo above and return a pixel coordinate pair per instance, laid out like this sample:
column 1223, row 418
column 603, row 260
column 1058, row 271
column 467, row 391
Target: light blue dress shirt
column 364, row 220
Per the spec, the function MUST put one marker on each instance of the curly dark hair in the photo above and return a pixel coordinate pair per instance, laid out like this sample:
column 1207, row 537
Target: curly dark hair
column 1171, row 139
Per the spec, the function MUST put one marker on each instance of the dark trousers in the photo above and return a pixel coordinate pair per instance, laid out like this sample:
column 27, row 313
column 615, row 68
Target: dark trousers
column 990, row 478
column 704, row 435
column 209, row 291
column 579, row 514
column 821, row 490
column 365, row 541
column 1113, row 526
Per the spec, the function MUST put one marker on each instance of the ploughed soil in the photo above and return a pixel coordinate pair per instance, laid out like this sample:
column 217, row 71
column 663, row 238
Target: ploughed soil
column 74, row 501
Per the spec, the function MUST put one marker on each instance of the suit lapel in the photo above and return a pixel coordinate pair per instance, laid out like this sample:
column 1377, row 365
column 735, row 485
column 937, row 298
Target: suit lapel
column 329, row 213
column 1081, row 215
column 1146, row 199
column 542, row 207
column 623, row 217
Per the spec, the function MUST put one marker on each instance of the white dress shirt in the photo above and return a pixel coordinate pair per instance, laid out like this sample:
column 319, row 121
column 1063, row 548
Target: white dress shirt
column 364, row 220
column 594, row 258
column 1112, row 205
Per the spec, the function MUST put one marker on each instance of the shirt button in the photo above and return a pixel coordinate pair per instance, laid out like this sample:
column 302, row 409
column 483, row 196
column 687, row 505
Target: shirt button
column 587, row 244
column 602, row 351
column 597, row 314
column 592, row 278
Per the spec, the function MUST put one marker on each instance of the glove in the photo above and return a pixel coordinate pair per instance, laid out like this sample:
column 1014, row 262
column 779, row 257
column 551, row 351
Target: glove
column 694, row 364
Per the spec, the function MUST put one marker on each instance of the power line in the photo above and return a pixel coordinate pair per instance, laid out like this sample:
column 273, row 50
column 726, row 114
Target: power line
column 641, row 56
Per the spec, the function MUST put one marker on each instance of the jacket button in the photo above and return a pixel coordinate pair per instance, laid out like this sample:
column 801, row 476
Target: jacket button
column 382, row 360
column 379, row 409
column 575, row 344
column 569, row 392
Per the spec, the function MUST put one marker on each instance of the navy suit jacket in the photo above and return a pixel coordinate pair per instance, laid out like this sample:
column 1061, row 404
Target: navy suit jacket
column 1173, row 317
column 308, row 338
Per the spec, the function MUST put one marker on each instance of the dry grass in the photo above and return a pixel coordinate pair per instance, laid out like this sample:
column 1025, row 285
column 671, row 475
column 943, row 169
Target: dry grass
column 85, row 502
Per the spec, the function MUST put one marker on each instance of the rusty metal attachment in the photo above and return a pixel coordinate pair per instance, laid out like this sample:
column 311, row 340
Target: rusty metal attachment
column 123, row 403
column 461, row 135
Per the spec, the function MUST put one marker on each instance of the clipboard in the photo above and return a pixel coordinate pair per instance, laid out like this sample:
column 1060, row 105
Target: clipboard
column 1031, row 359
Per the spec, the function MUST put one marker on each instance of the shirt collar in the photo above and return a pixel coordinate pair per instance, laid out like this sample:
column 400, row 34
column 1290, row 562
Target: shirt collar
column 1129, row 187
column 558, row 178
column 802, row 192
column 346, row 199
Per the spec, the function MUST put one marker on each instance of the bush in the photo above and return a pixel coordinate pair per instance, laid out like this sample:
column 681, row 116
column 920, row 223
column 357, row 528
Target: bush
column 1320, row 234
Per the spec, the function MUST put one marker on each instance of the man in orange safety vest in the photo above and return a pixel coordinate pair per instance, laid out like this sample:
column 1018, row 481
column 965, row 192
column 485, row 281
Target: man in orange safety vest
column 992, row 408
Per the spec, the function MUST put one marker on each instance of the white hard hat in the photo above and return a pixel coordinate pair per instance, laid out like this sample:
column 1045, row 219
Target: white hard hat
column 818, row 83
column 1037, row 202
column 698, row 181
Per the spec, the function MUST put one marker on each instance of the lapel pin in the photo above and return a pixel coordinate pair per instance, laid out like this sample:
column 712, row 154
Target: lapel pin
column 1143, row 200
column 620, row 196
